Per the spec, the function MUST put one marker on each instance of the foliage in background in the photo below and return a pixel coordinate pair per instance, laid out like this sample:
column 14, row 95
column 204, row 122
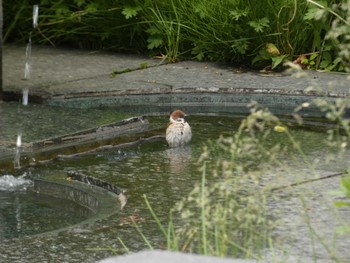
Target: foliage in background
column 77, row 23
column 237, row 31
column 340, row 34
column 331, row 53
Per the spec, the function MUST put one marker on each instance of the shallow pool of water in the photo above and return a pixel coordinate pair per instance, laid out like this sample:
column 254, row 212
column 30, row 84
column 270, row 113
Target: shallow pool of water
column 150, row 168
column 37, row 122
column 24, row 213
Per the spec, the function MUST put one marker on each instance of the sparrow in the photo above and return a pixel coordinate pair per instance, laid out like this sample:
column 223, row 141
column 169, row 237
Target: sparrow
column 178, row 132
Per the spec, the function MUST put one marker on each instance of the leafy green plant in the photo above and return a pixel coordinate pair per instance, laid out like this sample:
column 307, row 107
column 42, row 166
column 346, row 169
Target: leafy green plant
column 163, row 30
column 339, row 33
column 235, row 31
column 131, row 11
column 270, row 52
column 327, row 58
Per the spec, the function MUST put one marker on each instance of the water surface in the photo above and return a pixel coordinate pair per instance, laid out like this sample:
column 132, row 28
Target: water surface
column 150, row 168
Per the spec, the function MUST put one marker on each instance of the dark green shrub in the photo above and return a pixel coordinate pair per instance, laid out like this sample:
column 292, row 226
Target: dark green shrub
column 239, row 31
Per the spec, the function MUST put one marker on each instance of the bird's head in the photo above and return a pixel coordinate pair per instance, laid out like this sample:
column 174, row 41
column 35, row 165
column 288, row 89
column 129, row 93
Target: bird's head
column 178, row 116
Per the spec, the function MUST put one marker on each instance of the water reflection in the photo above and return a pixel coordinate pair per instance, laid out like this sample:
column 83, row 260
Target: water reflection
column 179, row 159
column 164, row 175
column 26, row 213
column 8, row 186
column 37, row 122
column 25, row 96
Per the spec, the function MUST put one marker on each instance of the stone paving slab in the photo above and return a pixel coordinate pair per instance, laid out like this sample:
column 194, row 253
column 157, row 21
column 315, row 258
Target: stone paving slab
column 159, row 256
column 72, row 73
column 51, row 67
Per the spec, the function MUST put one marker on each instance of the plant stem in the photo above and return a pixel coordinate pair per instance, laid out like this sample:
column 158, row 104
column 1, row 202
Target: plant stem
column 329, row 10
column 204, row 231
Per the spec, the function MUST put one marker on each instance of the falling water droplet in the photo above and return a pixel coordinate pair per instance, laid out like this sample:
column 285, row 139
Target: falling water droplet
column 27, row 67
column 25, row 96
column 35, row 15
column 19, row 140
column 17, row 160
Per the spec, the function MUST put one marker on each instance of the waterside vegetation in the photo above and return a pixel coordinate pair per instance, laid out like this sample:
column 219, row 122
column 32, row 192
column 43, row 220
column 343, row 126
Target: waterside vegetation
column 235, row 209
column 253, row 33
column 228, row 215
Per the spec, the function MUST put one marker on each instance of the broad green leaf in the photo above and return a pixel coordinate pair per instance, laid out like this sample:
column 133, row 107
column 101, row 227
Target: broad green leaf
column 305, row 61
column 337, row 61
column 326, row 56
column 277, row 60
column 313, row 56
column 272, row 49
column 328, row 47
column 324, row 64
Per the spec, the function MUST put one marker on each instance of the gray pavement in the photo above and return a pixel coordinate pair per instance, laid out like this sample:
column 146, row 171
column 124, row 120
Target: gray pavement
column 68, row 77
column 63, row 73
column 160, row 256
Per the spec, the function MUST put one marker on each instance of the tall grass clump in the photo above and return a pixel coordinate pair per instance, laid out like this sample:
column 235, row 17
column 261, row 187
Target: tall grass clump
column 234, row 30
column 77, row 23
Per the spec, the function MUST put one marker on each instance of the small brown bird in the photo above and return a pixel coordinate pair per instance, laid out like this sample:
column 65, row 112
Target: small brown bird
column 179, row 131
